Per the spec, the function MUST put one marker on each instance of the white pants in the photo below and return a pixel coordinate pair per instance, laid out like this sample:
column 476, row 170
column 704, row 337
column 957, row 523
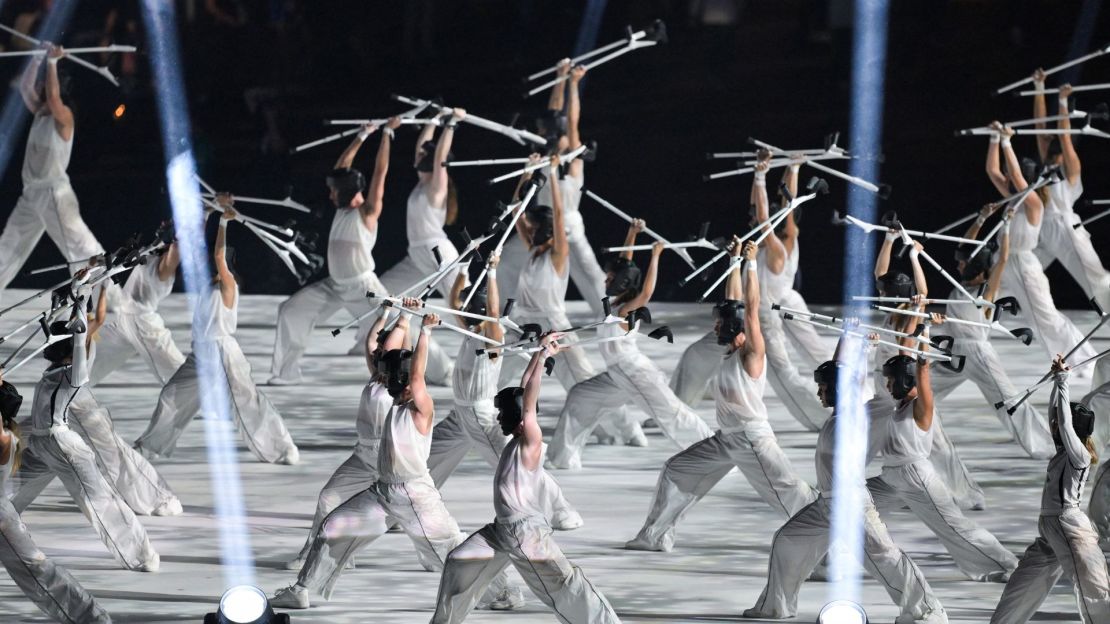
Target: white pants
column 130, row 334
column 696, row 368
column 50, row 586
column 51, row 210
column 801, row 543
column 640, row 382
column 1098, row 400
column 797, row 392
column 585, row 271
column 807, row 343
column 1027, row 425
column 1068, row 547
column 1024, row 279
column 977, row 553
column 1059, row 240
column 64, row 454
column 416, row 505
column 257, row 419
column 689, row 475
column 528, row 545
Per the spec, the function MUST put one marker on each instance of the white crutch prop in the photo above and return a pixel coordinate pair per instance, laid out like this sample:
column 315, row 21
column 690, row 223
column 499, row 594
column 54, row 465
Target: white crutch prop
column 454, row 328
column 103, row 71
column 774, row 163
column 583, row 151
column 953, row 362
column 1005, row 304
column 646, row 38
column 908, row 242
column 882, row 190
column 628, row 218
column 989, row 131
column 405, row 118
column 944, row 343
column 92, row 50
column 1075, row 89
column 288, row 202
column 485, row 162
column 701, row 243
column 1023, row 334
column 1028, row 392
column 1053, row 70
column 872, row 227
column 802, row 152
column 534, row 186
column 1093, row 218
column 636, row 36
column 516, row 134
column 405, row 121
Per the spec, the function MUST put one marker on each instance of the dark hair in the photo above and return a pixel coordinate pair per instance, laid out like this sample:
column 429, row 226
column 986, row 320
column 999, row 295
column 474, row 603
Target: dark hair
column 65, row 84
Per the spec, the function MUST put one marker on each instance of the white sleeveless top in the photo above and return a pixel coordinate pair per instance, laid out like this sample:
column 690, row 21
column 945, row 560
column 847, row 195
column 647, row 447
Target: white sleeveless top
column 47, row 155
column 212, row 320
column 1023, row 235
column 906, row 443
column 423, row 221
column 1063, row 195
column 540, row 290
column 792, row 260
column 143, row 289
column 520, row 493
column 475, row 376
column 570, row 191
column 614, row 352
column 373, row 408
column 739, row 396
column 771, row 286
column 403, row 455
column 350, row 248
column 6, row 467
column 965, row 311
column 824, row 455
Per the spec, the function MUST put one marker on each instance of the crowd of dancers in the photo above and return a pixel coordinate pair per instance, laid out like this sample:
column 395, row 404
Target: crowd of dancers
column 761, row 333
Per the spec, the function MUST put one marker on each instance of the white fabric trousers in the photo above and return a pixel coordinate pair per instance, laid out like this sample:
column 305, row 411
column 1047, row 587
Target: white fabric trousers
column 798, row 393
column 50, row 586
column 801, row 543
column 257, row 419
column 1067, row 546
column 63, row 454
column 128, row 335
column 1098, row 400
column 1024, row 279
column 977, row 553
column 639, row 382
column 689, row 475
column 1060, row 240
column 529, row 546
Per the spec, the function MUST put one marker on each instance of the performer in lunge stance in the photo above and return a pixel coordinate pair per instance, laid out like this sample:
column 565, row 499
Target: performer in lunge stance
column 404, row 491
column 1062, row 237
column 804, row 539
column 520, row 533
column 1067, row 544
column 50, row 586
column 1098, row 401
column 48, row 203
column 745, row 439
column 472, row 422
column 629, row 376
column 214, row 325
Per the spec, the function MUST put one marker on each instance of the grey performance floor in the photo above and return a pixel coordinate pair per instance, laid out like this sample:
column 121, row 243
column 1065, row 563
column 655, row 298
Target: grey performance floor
column 716, row 570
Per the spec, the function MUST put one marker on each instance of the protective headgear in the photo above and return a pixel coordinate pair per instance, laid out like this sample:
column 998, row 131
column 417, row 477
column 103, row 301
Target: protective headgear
column 10, row 401
column 396, row 365
column 510, row 406
column 902, row 369
column 63, row 348
column 897, row 284
column 1082, row 420
column 981, row 263
column 479, row 303
column 731, row 314
column 346, row 183
column 828, row 373
column 427, row 157
column 1054, row 149
column 626, row 276
column 542, row 220
column 552, row 124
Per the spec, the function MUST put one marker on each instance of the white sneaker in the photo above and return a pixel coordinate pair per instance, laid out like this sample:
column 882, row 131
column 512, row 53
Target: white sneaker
column 292, row 597
column 566, row 520
column 292, row 457
column 150, row 565
column 145, row 452
column 509, row 599
column 294, row 564
column 172, row 507
column 639, row 544
column 637, row 438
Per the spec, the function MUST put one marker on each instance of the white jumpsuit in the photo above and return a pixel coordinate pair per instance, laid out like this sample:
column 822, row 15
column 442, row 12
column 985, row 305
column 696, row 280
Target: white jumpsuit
column 1061, row 240
column 519, row 535
column 263, row 430
column 404, row 492
column 801, row 542
column 54, row 448
column 909, row 479
column 47, row 204
column 50, row 586
column 1067, row 545
column 137, row 328
column 1098, row 401
column 630, row 377
column 585, row 271
column 983, row 367
column 745, row 441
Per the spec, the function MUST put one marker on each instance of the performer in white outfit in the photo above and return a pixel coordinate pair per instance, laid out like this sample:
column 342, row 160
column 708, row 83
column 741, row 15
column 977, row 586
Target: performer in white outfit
column 585, row 272
column 1061, row 237
column 1024, row 276
column 983, row 366
column 629, row 377
column 50, row 586
column 1098, row 401
column 214, row 325
column 745, row 439
column 48, row 203
column 909, row 479
column 804, row 539
column 136, row 327
column 520, row 533
column 472, row 422
column 1067, row 545
column 54, row 448
column 403, row 492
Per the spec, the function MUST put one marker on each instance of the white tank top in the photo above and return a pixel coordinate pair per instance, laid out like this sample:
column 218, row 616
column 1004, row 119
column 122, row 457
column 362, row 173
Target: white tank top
column 614, row 352
column 213, row 320
column 423, row 221
column 824, row 455
column 965, row 311
column 540, row 290
column 143, row 289
column 570, row 191
column 475, row 376
column 403, row 455
column 373, row 408
column 791, row 270
column 739, row 396
column 1063, row 195
column 1063, row 485
column 906, row 443
column 518, row 492
column 1023, row 235
column 53, row 394
column 47, row 155
column 350, row 248
column 771, row 286
column 6, row 467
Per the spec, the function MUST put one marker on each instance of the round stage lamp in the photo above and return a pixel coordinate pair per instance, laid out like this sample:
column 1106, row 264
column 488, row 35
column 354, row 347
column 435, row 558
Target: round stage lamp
column 245, row 604
column 842, row 612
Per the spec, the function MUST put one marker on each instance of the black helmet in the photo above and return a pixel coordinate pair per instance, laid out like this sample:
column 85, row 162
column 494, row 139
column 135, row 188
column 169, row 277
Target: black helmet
column 902, row 369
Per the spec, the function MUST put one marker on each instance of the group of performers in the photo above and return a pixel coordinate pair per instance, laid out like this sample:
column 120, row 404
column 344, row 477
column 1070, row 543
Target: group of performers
column 405, row 452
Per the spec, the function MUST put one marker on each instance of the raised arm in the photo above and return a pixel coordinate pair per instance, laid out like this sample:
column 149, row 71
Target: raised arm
column 1032, row 203
column 1071, row 158
column 493, row 301
column 919, row 280
column 168, row 263
column 63, row 116
column 976, row 225
column 420, row 397
column 437, row 190
column 347, row 158
column 395, row 339
column 574, row 114
column 994, row 168
column 375, row 195
column 219, row 252
column 560, row 248
column 555, row 100
column 100, row 316
column 754, row 349
column 995, row 281
column 79, row 372
column 790, row 230
column 634, row 228
column 923, row 406
column 523, row 228
column 734, row 284
column 27, row 83
column 531, row 439
column 454, row 298
column 776, row 252
column 648, row 289
column 1060, row 404
column 427, row 132
column 1040, row 110
column 372, row 340
column 882, row 261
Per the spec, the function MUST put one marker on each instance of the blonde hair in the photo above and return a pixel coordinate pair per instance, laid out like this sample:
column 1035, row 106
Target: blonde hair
column 17, row 449
column 1090, row 444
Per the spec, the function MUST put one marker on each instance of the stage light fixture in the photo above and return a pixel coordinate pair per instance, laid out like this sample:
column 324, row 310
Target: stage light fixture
column 245, row 604
column 842, row 612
